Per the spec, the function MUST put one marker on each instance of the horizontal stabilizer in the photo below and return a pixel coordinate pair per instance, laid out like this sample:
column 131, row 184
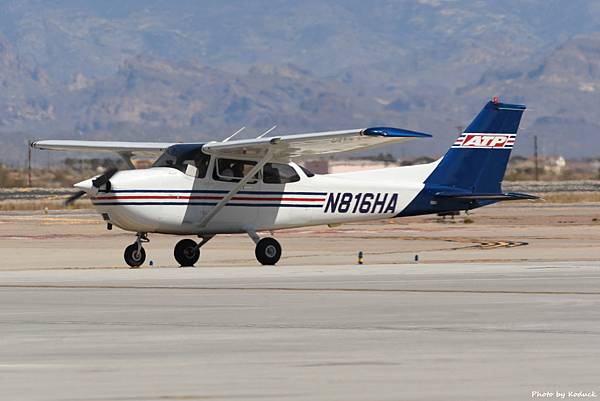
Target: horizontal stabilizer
column 484, row 196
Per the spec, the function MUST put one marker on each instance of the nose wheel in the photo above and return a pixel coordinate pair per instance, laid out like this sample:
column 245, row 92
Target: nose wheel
column 135, row 255
column 268, row 251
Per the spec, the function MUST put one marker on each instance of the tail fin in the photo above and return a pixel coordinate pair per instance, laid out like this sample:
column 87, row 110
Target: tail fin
column 471, row 172
column 477, row 160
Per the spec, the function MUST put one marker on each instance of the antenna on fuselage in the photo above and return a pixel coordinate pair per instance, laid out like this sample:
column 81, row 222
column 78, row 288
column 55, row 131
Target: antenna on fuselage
column 234, row 134
column 267, row 131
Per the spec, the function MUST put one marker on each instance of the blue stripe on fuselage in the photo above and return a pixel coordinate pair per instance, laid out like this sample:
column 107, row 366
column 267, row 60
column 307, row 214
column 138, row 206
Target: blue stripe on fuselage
column 201, row 204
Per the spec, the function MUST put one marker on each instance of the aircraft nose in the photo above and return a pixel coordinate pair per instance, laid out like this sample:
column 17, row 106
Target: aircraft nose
column 94, row 184
column 85, row 185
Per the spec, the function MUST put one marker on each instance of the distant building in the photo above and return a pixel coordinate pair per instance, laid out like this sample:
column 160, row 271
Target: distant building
column 556, row 166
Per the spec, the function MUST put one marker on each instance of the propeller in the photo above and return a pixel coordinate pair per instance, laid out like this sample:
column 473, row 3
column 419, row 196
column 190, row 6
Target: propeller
column 74, row 197
column 102, row 180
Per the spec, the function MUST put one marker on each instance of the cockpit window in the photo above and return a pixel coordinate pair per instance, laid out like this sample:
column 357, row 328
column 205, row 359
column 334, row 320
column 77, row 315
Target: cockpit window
column 233, row 170
column 186, row 158
column 275, row 173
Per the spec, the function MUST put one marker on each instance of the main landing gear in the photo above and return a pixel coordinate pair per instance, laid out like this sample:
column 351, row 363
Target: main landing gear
column 267, row 251
column 187, row 251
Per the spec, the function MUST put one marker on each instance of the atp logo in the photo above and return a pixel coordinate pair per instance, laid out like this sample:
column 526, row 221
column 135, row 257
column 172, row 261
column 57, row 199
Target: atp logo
column 485, row 141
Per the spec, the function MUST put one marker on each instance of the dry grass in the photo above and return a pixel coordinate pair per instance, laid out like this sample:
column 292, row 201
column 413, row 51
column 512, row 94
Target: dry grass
column 41, row 205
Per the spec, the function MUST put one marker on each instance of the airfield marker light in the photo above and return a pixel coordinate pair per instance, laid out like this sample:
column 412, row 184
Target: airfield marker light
column 360, row 257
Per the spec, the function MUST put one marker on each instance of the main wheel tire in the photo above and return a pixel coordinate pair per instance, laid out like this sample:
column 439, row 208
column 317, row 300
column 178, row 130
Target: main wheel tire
column 187, row 252
column 133, row 257
column 268, row 251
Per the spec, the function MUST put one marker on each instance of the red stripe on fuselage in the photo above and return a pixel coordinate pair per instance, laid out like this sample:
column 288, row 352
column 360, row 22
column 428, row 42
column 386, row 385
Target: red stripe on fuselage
column 205, row 198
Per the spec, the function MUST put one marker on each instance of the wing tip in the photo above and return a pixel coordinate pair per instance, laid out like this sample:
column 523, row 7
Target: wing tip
column 37, row 144
column 390, row 132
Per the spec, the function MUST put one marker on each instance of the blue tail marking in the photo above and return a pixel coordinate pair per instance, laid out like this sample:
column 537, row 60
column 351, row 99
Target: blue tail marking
column 475, row 164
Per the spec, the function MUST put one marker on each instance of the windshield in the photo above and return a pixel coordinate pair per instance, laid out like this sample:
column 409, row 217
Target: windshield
column 187, row 158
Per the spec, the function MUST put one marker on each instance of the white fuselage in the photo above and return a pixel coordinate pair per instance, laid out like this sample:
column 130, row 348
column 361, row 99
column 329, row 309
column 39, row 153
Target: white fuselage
column 166, row 200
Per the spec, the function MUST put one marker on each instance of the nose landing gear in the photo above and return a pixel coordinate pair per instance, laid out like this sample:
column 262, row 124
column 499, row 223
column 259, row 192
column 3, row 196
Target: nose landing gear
column 135, row 255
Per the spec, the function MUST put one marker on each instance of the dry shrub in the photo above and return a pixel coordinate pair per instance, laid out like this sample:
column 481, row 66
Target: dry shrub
column 570, row 197
column 10, row 178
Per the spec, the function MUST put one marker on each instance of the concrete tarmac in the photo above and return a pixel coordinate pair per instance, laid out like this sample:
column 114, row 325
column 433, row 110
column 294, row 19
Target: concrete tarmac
column 377, row 332
column 503, row 303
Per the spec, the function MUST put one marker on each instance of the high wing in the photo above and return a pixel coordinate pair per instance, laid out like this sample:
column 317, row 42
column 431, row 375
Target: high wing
column 281, row 148
column 124, row 148
column 301, row 146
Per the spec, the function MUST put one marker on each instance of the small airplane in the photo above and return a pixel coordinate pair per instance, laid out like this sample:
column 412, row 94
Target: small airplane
column 253, row 185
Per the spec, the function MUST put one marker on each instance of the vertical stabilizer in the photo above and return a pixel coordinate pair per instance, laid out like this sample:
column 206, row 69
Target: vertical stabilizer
column 477, row 161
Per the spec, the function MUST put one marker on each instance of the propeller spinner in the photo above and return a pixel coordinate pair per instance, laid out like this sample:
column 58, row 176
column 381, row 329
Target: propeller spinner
column 98, row 182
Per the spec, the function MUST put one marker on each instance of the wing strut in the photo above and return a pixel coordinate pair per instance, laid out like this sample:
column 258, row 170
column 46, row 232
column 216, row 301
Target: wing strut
column 265, row 159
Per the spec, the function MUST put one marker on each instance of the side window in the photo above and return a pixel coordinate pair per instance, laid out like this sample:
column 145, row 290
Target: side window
column 275, row 173
column 233, row 170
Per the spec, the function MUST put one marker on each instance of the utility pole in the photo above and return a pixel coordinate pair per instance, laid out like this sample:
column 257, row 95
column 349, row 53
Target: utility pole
column 535, row 156
column 29, row 163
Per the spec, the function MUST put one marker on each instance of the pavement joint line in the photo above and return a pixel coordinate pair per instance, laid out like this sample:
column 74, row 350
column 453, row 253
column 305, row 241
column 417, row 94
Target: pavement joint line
column 291, row 289
column 425, row 328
